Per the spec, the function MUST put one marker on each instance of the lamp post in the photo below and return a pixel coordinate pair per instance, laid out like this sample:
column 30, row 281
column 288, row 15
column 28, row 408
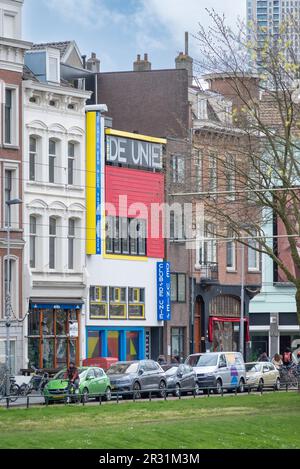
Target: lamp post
column 242, row 301
column 9, row 203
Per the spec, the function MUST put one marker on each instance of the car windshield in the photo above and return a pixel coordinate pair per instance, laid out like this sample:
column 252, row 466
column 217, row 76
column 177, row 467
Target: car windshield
column 207, row 359
column 172, row 371
column 123, row 368
column 252, row 367
column 61, row 374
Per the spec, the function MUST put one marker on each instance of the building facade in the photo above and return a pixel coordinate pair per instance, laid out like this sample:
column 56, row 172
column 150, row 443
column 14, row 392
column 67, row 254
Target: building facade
column 54, row 205
column 12, row 49
column 124, row 242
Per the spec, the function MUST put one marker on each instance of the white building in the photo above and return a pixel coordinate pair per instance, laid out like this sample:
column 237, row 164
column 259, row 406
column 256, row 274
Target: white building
column 54, row 203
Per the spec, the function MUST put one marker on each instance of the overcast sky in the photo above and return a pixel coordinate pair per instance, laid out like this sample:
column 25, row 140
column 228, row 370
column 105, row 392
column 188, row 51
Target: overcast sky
column 118, row 30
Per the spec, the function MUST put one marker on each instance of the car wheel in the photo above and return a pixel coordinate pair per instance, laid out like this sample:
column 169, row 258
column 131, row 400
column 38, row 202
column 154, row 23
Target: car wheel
column 277, row 385
column 107, row 396
column 218, row 388
column 260, row 385
column 85, row 395
column 241, row 387
column 162, row 389
column 176, row 393
column 137, row 390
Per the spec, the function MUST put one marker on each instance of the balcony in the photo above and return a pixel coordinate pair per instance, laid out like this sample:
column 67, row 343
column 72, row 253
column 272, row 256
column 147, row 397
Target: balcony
column 208, row 273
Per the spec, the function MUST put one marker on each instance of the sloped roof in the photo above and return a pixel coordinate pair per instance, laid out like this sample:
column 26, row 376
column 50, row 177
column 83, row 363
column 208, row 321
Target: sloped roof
column 61, row 46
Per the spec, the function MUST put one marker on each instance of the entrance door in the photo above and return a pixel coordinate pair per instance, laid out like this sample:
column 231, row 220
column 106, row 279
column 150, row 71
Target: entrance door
column 199, row 309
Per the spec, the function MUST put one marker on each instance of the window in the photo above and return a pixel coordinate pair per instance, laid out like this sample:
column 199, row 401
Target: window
column 71, row 243
column 178, row 288
column 208, row 247
column 52, row 242
column 7, row 194
column 126, row 236
column 177, row 341
column 53, row 69
column 198, row 170
column 212, row 168
column 253, row 255
column 177, row 228
column 32, row 158
column 230, row 177
column 230, row 252
column 10, row 283
column 178, row 168
column 117, row 303
column 8, row 115
column 71, row 161
column 136, row 303
column 32, row 242
column 98, row 303
column 52, row 157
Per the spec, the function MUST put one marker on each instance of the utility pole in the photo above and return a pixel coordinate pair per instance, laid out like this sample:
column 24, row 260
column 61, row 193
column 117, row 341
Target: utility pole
column 7, row 302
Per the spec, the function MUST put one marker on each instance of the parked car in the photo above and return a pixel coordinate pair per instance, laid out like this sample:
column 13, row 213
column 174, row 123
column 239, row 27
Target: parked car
column 219, row 370
column 262, row 375
column 93, row 383
column 136, row 377
column 181, row 379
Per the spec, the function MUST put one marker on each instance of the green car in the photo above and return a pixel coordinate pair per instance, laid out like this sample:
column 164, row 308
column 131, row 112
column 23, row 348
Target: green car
column 93, row 383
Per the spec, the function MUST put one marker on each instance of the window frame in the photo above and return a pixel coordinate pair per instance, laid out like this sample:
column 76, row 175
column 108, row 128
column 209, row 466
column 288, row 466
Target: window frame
column 53, row 239
column 177, row 275
column 115, row 227
column 14, row 118
column 178, row 174
column 100, row 301
column 52, row 158
column 140, row 302
column 231, row 243
column 32, row 239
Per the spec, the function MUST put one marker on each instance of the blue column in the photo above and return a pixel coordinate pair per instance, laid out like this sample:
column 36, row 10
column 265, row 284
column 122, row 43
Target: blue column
column 122, row 343
column 104, row 351
column 141, row 345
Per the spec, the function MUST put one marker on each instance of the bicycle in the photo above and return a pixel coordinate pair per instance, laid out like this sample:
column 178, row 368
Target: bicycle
column 14, row 389
column 37, row 383
column 289, row 376
column 72, row 393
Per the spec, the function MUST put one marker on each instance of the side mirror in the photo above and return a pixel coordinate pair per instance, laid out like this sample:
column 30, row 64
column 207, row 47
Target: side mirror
column 179, row 374
column 141, row 371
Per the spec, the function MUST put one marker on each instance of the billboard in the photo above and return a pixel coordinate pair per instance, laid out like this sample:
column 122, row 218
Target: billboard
column 163, row 291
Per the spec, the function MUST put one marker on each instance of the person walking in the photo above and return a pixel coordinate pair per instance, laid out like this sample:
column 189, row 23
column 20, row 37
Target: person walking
column 277, row 361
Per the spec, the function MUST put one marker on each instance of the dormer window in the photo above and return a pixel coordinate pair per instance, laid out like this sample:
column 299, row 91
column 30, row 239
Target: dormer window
column 9, row 25
column 53, row 65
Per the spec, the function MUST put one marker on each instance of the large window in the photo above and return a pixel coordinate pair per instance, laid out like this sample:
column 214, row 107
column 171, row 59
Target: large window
column 178, row 288
column 32, row 158
column 71, row 243
column 32, row 241
column 126, row 236
column 98, row 303
column 253, row 256
column 208, row 246
column 10, row 283
column 230, row 252
column 7, row 193
column 117, row 303
column 8, row 115
column 52, row 242
column 52, row 158
column 71, row 162
column 178, row 168
column 136, row 303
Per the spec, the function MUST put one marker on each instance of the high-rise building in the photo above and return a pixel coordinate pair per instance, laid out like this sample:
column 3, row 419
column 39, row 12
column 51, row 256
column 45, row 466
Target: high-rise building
column 264, row 18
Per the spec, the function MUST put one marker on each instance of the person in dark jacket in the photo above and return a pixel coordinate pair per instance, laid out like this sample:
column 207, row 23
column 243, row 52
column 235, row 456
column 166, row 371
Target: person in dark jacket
column 72, row 375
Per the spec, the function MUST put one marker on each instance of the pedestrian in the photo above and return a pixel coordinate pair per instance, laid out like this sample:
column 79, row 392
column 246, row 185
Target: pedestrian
column 162, row 360
column 277, row 361
column 263, row 358
column 287, row 358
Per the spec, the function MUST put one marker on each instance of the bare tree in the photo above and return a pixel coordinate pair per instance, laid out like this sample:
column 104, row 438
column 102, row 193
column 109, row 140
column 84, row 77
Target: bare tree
column 262, row 76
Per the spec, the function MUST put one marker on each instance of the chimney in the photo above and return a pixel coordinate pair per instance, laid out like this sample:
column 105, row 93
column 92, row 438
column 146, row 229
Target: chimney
column 184, row 61
column 93, row 64
column 83, row 61
column 142, row 65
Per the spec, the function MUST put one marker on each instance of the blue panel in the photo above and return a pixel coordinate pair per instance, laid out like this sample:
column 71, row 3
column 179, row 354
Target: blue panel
column 98, row 183
column 54, row 306
column 163, row 291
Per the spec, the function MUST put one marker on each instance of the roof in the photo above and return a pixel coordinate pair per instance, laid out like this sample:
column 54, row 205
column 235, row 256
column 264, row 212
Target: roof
column 61, row 46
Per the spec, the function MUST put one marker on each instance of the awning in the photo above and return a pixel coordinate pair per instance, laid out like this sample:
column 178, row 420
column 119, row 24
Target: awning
column 64, row 304
column 213, row 319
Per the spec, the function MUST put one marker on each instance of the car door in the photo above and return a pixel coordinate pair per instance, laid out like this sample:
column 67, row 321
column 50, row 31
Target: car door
column 266, row 374
column 223, row 370
column 100, row 382
column 90, row 381
column 154, row 375
column 273, row 374
column 144, row 377
column 190, row 377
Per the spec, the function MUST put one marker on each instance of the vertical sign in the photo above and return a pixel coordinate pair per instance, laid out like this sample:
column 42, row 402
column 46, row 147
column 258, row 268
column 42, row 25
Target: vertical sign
column 147, row 345
column 98, row 183
column 163, row 291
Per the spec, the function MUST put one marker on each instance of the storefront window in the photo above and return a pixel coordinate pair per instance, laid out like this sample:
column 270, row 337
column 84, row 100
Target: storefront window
column 72, row 350
column 259, row 344
column 132, row 345
column 34, row 323
column 48, row 353
column 113, row 345
column 34, row 352
column 94, row 344
column 61, row 352
column 61, row 322
column 48, row 322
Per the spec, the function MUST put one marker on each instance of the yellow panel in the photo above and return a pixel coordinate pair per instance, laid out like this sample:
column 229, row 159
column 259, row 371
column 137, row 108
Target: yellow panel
column 145, row 138
column 91, row 182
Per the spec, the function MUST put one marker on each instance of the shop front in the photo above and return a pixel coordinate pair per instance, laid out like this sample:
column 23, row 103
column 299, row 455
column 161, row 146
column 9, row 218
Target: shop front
column 123, row 343
column 54, row 334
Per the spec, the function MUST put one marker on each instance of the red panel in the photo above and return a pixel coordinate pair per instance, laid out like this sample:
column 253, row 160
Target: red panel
column 137, row 187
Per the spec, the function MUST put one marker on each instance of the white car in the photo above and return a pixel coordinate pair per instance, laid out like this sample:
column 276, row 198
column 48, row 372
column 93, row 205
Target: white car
column 262, row 375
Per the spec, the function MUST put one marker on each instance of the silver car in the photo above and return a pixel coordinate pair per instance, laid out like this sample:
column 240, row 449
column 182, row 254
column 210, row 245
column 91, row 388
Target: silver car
column 181, row 379
column 262, row 375
column 135, row 378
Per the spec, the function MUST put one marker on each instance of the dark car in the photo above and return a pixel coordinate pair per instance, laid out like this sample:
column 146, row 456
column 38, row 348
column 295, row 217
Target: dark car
column 137, row 377
column 181, row 379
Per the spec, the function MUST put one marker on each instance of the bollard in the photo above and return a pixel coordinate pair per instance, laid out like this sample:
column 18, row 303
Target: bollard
column 150, row 396
column 194, row 393
column 100, row 399
column 133, row 396
column 286, row 387
column 27, row 403
column 7, row 402
column 261, row 390
column 222, row 391
column 179, row 396
column 236, row 391
column 165, row 395
column 249, row 389
column 117, row 397
column 208, row 392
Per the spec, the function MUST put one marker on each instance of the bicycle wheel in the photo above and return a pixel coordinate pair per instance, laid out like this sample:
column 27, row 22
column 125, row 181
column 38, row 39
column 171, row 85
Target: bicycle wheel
column 14, row 392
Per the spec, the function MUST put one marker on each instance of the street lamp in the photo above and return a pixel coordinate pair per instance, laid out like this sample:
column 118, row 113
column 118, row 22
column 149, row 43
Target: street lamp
column 242, row 301
column 7, row 295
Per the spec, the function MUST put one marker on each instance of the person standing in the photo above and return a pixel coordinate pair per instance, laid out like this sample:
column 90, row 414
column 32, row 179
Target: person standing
column 277, row 361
